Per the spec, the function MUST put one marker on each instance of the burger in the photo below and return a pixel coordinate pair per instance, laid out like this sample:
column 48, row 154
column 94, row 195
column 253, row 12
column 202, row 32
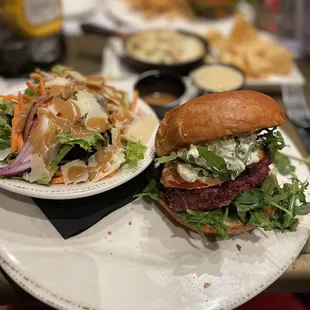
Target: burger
column 215, row 152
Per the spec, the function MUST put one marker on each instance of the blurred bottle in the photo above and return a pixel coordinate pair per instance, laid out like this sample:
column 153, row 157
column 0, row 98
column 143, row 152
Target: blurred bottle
column 287, row 19
column 30, row 35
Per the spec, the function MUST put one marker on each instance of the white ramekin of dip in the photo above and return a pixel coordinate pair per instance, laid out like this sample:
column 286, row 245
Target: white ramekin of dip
column 217, row 77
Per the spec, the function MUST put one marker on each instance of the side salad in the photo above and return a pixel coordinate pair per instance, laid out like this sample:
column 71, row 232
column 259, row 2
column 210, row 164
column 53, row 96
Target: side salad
column 68, row 128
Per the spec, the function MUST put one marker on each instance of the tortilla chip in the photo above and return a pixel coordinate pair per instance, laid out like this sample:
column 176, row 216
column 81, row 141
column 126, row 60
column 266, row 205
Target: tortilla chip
column 242, row 32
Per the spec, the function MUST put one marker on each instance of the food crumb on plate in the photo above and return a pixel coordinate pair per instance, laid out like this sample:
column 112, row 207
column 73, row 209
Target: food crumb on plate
column 206, row 285
column 110, row 232
column 129, row 223
column 238, row 246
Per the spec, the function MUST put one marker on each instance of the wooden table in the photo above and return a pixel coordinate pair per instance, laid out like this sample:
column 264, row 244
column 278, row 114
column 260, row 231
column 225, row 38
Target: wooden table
column 85, row 55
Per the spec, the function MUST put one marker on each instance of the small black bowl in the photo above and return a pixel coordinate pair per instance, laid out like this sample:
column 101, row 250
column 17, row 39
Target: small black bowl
column 153, row 81
column 206, row 90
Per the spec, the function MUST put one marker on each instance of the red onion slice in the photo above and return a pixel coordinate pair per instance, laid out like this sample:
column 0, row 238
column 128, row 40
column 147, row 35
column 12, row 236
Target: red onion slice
column 21, row 163
column 32, row 114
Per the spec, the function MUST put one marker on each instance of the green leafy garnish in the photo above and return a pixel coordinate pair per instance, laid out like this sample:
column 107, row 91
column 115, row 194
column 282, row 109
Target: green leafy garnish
column 283, row 164
column 29, row 92
column 209, row 163
column 59, row 69
column 134, row 152
column 87, row 143
column 238, row 246
column 272, row 141
column 214, row 218
column 215, row 162
column 63, row 151
column 152, row 190
column 6, row 115
column 166, row 159
column 289, row 201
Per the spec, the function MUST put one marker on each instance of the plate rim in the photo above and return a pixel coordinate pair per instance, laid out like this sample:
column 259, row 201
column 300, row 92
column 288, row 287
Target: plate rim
column 29, row 285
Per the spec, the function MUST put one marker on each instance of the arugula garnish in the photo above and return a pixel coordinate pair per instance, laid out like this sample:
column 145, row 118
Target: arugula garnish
column 272, row 141
column 283, row 164
column 152, row 190
column 250, row 208
column 214, row 218
column 289, row 201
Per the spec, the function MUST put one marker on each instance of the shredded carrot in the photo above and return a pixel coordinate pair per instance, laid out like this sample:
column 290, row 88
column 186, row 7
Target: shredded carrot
column 16, row 136
column 32, row 86
column 134, row 100
column 65, row 74
column 35, row 76
column 112, row 174
column 20, row 101
column 20, row 141
column 58, row 180
column 26, row 98
column 8, row 98
column 42, row 87
column 95, row 78
column 14, row 140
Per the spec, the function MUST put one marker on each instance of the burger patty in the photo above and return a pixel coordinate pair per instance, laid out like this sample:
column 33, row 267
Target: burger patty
column 214, row 197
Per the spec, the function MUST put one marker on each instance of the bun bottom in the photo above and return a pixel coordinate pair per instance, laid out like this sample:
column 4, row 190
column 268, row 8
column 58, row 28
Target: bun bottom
column 235, row 227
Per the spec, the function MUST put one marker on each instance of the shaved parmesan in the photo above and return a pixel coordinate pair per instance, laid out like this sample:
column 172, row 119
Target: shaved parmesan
column 77, row 76
column 75, row 171
column 116, row 136
column 117, row 161
column 57, row 81
column 142, row 129
column 38, row 168
column 90, row 107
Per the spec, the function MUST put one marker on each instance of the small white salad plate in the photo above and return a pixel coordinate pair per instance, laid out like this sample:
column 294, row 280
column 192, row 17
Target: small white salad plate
column 71, row 191
column 137, row 259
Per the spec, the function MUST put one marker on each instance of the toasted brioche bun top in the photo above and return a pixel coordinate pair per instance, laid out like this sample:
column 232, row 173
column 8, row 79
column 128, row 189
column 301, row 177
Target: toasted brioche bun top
column 216, row 116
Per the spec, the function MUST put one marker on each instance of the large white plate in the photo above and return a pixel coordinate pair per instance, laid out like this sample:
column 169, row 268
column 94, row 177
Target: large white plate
column 151, row 264
column 71, row 191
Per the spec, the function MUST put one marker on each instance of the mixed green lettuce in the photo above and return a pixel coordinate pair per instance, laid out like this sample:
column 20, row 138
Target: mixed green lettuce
column 6, row 115
column 134, row 152
column 86, row 143
column 54, row 165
